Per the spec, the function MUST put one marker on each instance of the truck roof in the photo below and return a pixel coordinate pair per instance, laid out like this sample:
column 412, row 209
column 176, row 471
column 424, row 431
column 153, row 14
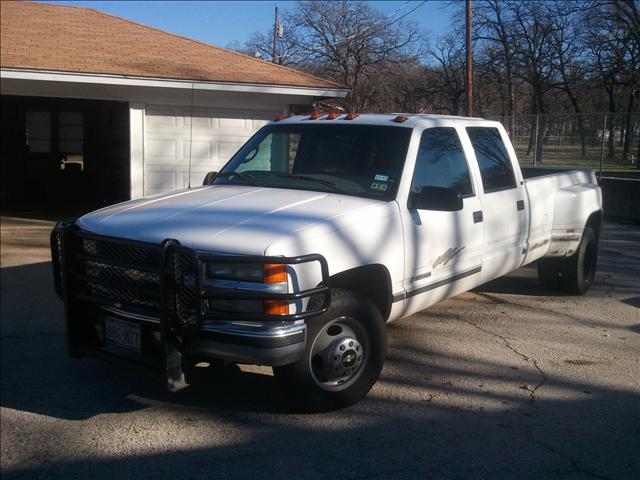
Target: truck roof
column 383, row 119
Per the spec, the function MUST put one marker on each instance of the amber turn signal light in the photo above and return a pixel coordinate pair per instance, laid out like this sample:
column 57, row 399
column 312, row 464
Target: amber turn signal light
column 276, row 307
column 275, row 273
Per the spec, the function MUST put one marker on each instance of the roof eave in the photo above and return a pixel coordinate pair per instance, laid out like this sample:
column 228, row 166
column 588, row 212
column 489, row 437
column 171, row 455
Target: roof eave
column 106, row 79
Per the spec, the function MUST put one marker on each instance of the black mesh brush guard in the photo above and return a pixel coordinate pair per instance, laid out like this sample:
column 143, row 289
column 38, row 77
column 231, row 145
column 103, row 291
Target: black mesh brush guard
column 159, row 281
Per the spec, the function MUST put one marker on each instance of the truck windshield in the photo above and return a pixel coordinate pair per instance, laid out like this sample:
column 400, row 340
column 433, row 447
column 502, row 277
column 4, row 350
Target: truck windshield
column 359, row 160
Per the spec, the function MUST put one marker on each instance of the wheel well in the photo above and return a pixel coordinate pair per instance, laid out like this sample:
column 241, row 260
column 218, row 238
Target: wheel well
column 595, row 221
column 371, row 281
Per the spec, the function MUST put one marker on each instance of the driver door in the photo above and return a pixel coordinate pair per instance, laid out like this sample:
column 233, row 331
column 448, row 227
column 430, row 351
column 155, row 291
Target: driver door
column 443, row 249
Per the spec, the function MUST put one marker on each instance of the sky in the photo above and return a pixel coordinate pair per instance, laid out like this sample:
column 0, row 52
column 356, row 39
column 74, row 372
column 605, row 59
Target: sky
column 222, row 22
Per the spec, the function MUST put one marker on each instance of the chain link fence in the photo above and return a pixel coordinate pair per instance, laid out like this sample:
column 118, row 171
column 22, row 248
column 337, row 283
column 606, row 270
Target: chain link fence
column 607, row 142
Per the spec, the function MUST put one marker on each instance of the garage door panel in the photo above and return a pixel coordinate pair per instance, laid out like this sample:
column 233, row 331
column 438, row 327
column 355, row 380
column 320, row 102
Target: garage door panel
column 227, row 149
column 213, row 137
column 156, row 117
column 162, row 150
column 159, row 181
column 200, row 150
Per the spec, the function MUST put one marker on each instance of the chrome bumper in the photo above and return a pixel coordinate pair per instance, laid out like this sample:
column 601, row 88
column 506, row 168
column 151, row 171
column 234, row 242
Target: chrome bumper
column 259, row 344
column 252, row 343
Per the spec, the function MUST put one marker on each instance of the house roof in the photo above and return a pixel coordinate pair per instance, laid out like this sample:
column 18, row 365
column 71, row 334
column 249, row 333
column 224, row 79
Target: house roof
column 38, row 36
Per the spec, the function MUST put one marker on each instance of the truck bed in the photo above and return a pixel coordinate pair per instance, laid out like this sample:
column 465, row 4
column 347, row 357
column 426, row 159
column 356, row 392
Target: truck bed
column 534, row 172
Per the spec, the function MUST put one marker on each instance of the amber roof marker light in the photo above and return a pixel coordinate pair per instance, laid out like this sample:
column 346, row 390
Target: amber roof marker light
column 351, row 116
column 401, row 119
column 282, row 116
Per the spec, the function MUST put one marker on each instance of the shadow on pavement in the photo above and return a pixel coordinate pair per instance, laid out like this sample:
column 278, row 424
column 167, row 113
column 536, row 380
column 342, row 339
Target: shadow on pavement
column 384, row 435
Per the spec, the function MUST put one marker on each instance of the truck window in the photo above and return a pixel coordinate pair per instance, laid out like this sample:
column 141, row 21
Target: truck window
column 441, row 162
column 359, row 160
column 494, row 162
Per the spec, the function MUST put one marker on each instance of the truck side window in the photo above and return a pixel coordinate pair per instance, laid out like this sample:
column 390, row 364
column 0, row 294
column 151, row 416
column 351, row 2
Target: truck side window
column 441, row 162
column 494, row 162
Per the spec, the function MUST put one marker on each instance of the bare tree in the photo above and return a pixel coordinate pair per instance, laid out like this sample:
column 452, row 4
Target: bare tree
column 446, row 80
column 615, row 54
column 351, row 41
column 286, row 53
column 570, row 67
column 494, row 27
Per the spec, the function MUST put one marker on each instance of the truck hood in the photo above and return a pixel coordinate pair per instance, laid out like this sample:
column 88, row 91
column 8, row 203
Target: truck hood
column 222, row 218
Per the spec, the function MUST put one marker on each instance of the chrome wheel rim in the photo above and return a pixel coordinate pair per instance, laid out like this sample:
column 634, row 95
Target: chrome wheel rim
column 338, row 354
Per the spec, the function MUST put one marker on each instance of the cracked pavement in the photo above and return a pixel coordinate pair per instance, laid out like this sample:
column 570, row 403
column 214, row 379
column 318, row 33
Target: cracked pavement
column 508, row 381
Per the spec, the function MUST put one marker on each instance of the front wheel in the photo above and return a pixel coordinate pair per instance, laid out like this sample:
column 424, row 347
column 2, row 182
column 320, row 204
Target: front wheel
column 345, row 352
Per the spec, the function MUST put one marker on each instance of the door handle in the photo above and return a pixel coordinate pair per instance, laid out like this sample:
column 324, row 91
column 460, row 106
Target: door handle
column 520, row 205
column 477, row 216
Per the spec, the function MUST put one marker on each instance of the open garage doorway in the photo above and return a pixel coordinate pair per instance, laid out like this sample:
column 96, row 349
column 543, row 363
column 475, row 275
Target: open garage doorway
column 63, row 157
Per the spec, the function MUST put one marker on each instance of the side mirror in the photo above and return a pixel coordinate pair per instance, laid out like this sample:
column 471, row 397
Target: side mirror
column 209, row 178
column 435, row 198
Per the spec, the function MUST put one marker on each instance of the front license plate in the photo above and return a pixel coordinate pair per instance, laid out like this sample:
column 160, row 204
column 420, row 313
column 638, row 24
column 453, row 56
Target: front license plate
column 123, row 334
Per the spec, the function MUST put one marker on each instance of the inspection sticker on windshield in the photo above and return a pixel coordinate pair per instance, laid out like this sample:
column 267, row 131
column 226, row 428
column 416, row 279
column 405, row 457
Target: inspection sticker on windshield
column 379, row 186
column 381, row 178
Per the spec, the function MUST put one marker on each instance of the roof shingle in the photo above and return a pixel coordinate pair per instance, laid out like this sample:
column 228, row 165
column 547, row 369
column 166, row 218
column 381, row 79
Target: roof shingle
column 39, row 36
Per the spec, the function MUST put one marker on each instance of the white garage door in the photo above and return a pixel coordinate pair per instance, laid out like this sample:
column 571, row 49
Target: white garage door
column 216, row 136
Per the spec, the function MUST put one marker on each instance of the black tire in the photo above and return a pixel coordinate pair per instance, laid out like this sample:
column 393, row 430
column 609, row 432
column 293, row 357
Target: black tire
column 550, row 273
column 306, row 385
column 579, row 270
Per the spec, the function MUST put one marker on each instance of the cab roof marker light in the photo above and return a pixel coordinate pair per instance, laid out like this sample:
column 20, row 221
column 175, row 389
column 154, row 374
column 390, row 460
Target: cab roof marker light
column 282, row 116
column 401, row 119
column 351, row 116
column 332, row 116
column 315, row 116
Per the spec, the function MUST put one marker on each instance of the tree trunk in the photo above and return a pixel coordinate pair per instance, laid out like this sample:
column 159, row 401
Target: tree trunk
column 511, row 100
column 628, row 130
column 540, row 110
column 612, row 130
column 581, row 132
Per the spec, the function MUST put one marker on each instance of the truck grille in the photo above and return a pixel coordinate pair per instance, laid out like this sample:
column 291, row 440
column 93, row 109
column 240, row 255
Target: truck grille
column 120, row 273
column 185, row 268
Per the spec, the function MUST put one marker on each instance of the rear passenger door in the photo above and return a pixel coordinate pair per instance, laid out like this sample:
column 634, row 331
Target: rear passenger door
column 503, row 203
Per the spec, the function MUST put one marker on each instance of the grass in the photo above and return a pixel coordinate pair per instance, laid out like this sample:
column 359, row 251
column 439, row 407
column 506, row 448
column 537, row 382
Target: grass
column 570, row 156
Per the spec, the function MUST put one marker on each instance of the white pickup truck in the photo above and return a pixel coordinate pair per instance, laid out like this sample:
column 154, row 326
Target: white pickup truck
column 319, row 230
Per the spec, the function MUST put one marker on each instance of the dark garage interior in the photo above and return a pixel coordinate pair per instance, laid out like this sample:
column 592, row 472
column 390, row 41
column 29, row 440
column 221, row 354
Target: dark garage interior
column 63, row 157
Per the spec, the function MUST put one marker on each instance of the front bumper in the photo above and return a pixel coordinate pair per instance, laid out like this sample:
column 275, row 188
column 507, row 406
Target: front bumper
column 261, row 345
column 162, row 288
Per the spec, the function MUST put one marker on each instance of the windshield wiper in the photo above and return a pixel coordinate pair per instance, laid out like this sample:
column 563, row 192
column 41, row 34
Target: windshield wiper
column 327, row 183
column 245, row 176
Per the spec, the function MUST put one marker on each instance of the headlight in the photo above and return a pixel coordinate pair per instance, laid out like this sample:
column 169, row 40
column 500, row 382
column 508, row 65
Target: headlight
column 264, row 277
column 242, row 272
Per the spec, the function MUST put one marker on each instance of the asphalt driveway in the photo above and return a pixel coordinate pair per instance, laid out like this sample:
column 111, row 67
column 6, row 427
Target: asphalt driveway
column 509, row 381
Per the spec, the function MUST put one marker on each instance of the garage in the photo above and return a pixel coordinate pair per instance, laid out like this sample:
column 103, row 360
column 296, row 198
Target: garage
column 87, row 122
column 63, row 156
column 181, row 145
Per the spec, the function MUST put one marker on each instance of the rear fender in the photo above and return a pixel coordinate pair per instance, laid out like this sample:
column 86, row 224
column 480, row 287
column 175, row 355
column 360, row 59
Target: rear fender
column 574, row 207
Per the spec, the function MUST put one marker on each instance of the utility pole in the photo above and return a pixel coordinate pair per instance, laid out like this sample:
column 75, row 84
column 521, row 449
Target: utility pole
column 275, row 37
column 469, row 82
